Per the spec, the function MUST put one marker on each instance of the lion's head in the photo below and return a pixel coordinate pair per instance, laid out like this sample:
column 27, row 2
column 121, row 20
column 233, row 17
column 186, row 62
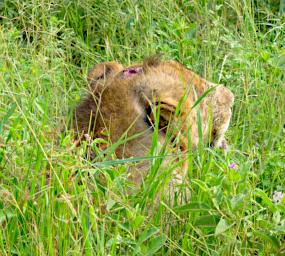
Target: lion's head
column 125, row 103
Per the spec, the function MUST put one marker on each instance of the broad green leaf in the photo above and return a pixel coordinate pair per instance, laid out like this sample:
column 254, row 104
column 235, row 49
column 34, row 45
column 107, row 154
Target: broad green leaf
column 147, row 234
column 155, row 244
column 265, row 199
column 221, row 227
column 125, row 227
column 192, row 207
column 207, row 221
column 269, row 238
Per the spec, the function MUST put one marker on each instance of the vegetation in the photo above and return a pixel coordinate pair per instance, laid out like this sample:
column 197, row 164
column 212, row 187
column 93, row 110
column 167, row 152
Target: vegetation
column 51, row 201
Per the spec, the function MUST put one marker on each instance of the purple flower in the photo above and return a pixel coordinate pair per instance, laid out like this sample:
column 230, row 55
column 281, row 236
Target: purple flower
column 277, row 197
column 87, row 137
column 233, row 165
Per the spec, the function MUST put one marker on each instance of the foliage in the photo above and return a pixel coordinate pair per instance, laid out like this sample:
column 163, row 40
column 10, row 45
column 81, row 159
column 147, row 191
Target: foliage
column 52, row 201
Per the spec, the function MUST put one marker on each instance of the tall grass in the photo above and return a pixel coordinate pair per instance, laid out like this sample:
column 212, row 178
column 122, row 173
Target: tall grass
column 51, row 199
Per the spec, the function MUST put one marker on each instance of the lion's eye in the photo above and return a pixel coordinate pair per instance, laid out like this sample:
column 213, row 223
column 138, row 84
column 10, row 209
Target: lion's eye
column 149, row 117
column 151, row 122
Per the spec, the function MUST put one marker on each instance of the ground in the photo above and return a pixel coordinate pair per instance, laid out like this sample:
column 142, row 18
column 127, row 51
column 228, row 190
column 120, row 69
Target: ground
column 51, row 199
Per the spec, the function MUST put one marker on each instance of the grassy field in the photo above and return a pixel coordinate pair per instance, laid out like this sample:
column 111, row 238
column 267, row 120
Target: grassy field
column 51, row 201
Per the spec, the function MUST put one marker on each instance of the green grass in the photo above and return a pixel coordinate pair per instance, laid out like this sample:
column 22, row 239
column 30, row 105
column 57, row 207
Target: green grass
column 51, row 198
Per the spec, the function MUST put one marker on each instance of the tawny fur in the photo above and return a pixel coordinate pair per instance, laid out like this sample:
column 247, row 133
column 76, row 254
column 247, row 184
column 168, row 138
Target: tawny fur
column 119, row 104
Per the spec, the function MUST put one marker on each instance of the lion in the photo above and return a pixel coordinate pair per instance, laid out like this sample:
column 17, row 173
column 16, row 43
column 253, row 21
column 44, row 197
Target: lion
column 133, row 102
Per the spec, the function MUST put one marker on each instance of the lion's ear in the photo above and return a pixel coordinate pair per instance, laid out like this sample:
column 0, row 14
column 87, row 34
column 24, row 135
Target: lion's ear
column 104, row 70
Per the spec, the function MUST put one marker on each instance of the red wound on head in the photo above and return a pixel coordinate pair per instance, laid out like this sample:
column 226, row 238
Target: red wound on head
column 132, row 71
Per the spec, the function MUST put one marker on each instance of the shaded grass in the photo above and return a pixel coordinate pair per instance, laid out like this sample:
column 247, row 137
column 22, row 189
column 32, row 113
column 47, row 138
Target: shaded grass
column 51, row 198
